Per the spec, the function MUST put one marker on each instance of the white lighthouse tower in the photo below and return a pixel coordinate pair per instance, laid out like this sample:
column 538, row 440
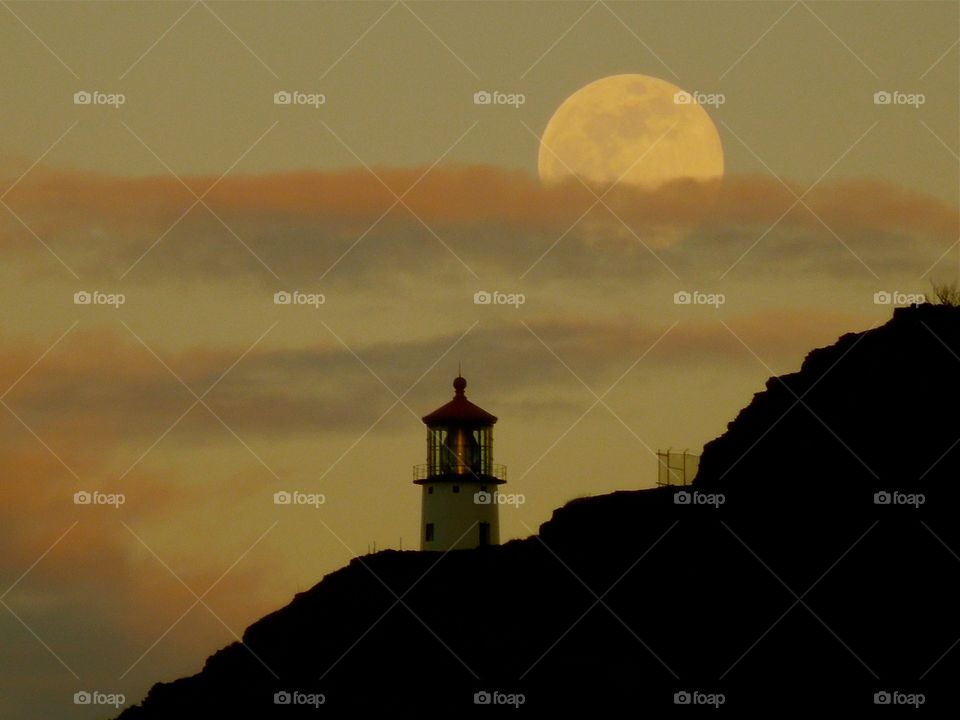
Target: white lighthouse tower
column 459, row 480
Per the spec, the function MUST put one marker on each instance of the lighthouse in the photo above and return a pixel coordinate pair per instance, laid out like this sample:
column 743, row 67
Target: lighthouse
column 459, row 480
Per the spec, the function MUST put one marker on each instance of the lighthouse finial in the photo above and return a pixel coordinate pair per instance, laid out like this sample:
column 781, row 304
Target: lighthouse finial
column 459, row 382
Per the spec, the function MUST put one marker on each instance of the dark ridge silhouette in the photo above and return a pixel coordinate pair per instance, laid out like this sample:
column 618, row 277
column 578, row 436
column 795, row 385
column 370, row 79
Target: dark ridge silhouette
column 803, row 589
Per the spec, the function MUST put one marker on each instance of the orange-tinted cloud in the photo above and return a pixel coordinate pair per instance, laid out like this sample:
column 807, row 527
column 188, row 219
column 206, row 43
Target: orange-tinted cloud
column 494, row 217
column 475, row 193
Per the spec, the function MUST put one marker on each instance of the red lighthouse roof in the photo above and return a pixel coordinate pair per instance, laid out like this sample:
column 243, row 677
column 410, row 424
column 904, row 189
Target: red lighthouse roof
column 459, row 410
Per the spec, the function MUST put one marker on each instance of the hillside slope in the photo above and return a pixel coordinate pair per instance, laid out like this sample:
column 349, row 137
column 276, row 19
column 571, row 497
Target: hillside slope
column 782, row 582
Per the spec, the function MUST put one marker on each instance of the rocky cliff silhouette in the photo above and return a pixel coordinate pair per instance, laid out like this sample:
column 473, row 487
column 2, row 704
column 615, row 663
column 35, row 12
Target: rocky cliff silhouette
column 813, row 564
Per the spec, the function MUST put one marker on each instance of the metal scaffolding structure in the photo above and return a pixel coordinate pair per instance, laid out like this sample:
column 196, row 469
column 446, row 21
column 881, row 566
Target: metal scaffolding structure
column 676, row 467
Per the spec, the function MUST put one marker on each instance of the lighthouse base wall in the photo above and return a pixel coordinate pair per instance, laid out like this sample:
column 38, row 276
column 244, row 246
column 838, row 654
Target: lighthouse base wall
column 459, row 516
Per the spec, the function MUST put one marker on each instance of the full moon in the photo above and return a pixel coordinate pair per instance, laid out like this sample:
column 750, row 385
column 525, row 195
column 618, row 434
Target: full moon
column 637, row 129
